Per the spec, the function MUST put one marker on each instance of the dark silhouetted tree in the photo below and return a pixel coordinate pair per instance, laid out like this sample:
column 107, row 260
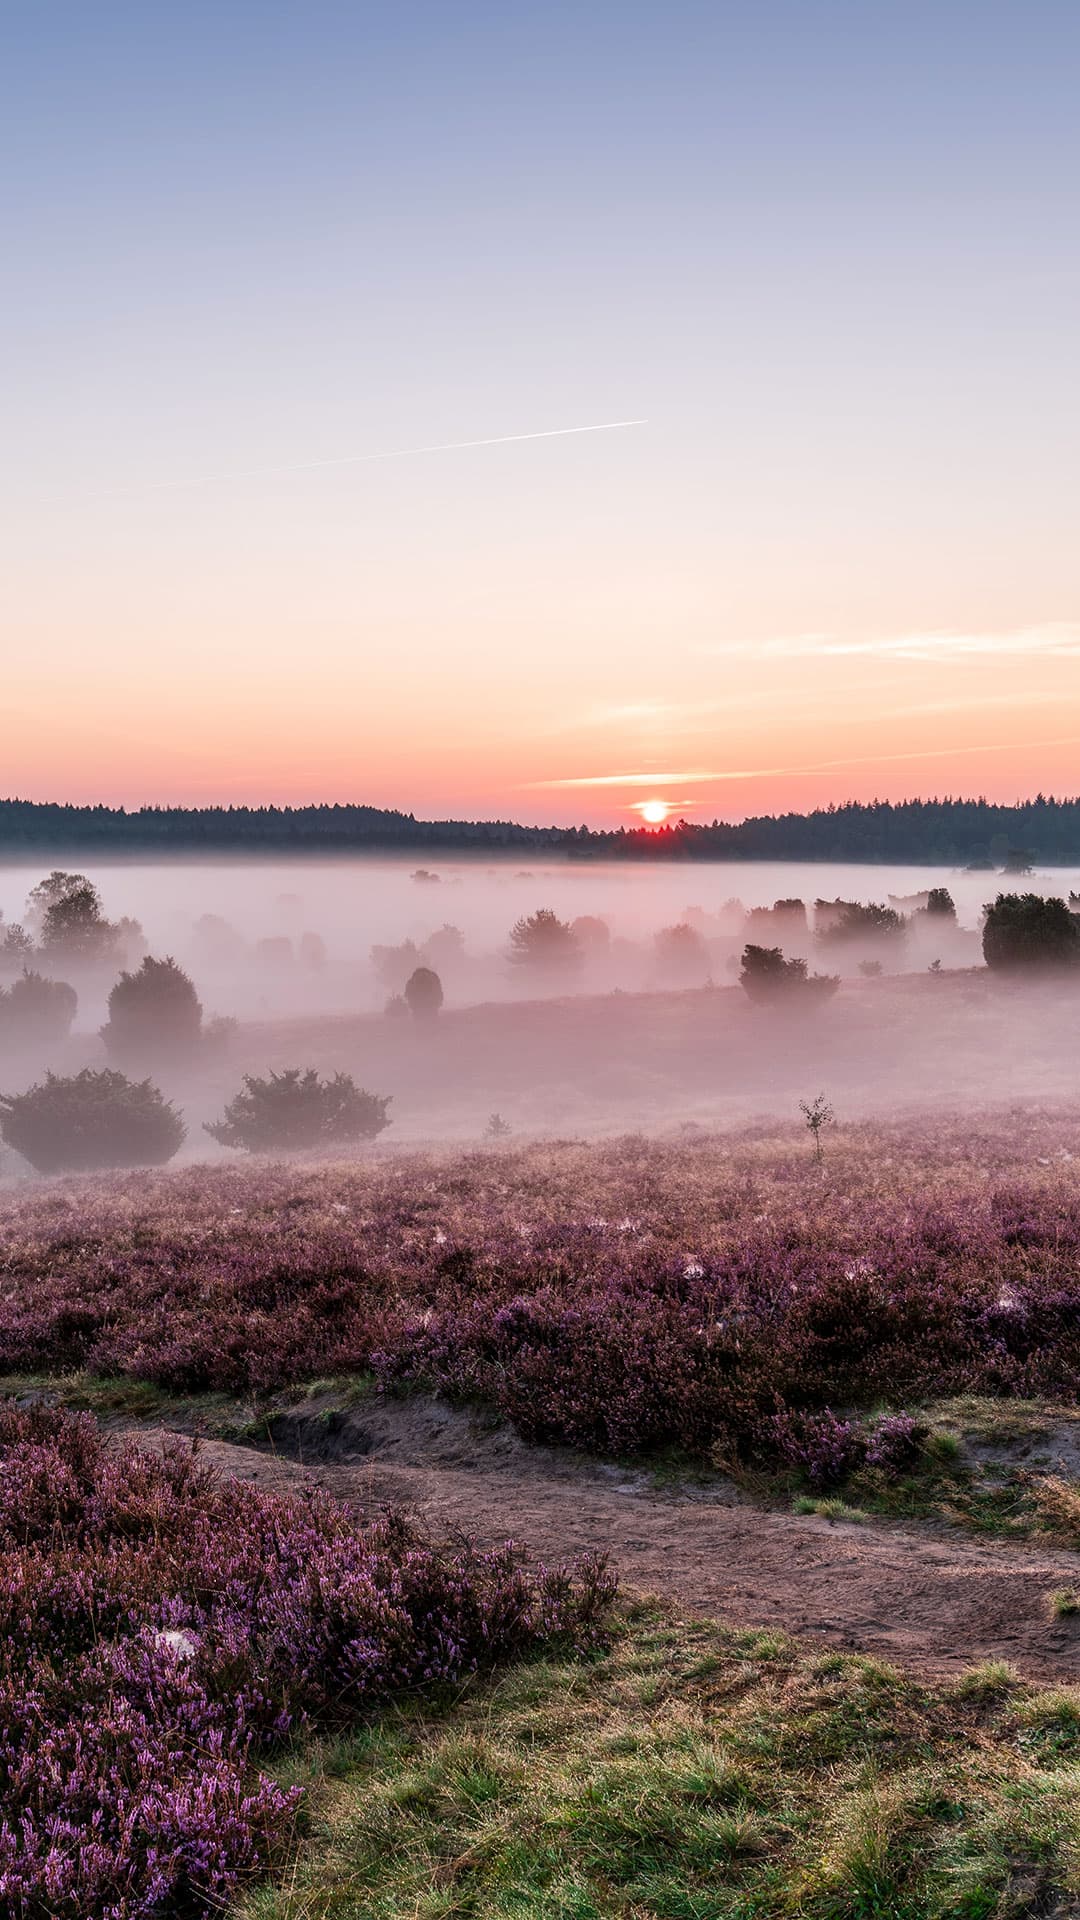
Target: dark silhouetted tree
column 423, row 993
column 940, row 904
column 1022, row 930
column 766, row 976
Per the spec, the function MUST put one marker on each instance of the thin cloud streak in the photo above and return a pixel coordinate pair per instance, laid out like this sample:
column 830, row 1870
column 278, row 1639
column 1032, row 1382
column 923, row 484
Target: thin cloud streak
column 772, row 773
column 363, row 459
column 1057, row 639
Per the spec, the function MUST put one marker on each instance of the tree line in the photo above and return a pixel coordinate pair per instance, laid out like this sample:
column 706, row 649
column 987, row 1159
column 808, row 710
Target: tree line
column 943, row 832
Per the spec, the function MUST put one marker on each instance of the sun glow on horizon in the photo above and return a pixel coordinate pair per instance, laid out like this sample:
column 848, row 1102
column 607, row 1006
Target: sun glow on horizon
column 654, row 812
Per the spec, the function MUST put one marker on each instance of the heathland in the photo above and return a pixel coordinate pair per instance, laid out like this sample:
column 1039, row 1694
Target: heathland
column 824, row 1393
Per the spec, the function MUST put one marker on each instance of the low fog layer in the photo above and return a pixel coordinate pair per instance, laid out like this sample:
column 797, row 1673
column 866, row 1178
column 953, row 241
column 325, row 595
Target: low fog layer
column 633, row 1017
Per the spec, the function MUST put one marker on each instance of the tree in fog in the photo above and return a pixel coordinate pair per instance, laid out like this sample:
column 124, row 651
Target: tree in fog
column 36, row 1009
column 295, row 1109
column 423, row 993
column 940, row 904
column 839, row 922
column 91, row 1120
column 16, row 949
column 542, row 942
column 592, row 934
column 1022, row 930
column 443, row 948
column 681, row 955
column 73, row 926
column 767, row 976
column 153, row 1014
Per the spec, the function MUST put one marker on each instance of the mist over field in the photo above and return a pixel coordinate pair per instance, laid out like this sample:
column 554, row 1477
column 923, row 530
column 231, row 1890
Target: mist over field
column 305, row 964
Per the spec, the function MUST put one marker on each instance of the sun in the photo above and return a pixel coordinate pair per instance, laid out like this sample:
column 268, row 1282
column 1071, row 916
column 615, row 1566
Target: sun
column 654, row 812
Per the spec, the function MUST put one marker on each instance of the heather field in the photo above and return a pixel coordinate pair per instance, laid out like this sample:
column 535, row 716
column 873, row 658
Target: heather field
column 720, row 1295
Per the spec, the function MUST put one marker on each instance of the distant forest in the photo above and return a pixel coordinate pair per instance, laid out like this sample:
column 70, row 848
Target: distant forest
column 931, row 832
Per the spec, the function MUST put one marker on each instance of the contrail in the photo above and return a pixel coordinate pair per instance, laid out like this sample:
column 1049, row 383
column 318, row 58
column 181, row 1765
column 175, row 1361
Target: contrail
column 394, row 453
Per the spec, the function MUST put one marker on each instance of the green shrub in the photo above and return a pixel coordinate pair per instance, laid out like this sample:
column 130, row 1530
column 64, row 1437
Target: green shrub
column 295, row 1108
column 91, row 1120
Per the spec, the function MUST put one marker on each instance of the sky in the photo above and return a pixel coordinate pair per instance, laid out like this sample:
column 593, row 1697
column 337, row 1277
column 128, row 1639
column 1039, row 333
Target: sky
column 825, row 254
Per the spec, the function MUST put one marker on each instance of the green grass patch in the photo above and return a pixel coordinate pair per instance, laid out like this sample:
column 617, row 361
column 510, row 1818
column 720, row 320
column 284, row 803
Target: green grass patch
column 695, row 1773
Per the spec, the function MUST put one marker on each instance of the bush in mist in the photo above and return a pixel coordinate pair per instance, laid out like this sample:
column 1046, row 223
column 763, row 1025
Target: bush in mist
column 33, row 1008
column 543, row 942
column 1023, row 930
column 871, row 969
column 91, row 1120
column 296, row 1109
column 940, row 904
column 312, row 951
column 393, row 965
column 681, row 955
column 784, row 917
column 423, row 993
column 443, row 948
column 767, row 976
column 592, row 934
column 838, row 922
column 154, row 1013
column 397, row 1007
column 16, row 949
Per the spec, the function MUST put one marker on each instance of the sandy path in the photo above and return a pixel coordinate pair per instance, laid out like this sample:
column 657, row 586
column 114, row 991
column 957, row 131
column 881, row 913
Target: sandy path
column 933, row 1601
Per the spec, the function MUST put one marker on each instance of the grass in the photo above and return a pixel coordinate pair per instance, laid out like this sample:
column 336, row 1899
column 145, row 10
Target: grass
column 694, row 1773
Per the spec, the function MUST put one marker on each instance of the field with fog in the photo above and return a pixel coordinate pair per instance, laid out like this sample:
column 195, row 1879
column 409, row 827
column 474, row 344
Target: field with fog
column 578, row 1418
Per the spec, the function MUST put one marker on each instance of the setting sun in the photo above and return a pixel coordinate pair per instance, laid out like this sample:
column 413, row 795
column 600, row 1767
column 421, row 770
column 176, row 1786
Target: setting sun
column 654, row 812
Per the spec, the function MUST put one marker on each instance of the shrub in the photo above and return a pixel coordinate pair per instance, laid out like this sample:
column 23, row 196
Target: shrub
column 154, row 1013
column 1023, row 930
column 423, row 993
column 592, row 934
column 297, row 1109
column 543, row 941
column 940, row 904
column 870, row 969
column 681, row 954
column 767, row 976
column 16, row 949
column 33, row 1008
column 91, row 1120
column 846, row 921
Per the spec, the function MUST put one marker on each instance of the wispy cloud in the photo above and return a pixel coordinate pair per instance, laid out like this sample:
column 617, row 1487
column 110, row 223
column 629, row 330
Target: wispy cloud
column 703, row 775
column 393, row 453
column 1058, row 639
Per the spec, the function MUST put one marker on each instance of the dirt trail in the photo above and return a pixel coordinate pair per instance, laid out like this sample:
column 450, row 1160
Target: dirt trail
column 934, row 1601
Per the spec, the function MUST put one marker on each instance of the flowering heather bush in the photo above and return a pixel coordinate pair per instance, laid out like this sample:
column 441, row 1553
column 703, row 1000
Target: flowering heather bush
column 617, row 1298
column 160, row 1628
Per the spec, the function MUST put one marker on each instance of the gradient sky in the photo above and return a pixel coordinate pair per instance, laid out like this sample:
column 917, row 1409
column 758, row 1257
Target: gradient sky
column 830, row 253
